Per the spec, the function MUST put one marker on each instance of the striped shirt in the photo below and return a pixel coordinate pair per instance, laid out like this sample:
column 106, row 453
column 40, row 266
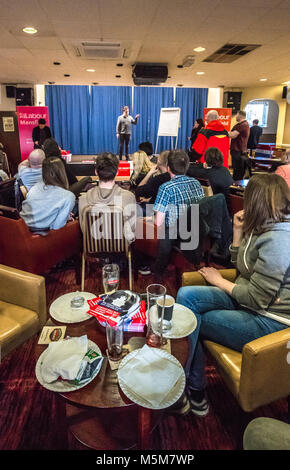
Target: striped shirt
column 175, row 196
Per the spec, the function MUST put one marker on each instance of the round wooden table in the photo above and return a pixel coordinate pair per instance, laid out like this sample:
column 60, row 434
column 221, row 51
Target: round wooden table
column 99, row 415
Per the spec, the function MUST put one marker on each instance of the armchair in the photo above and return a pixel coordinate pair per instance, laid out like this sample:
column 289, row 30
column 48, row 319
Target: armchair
column 22, row 249
column 22, row 307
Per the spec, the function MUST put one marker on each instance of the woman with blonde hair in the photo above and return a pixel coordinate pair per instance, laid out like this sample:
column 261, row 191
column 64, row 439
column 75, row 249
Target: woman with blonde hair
column 49, row 203
column 258, row 302
column 141, row 165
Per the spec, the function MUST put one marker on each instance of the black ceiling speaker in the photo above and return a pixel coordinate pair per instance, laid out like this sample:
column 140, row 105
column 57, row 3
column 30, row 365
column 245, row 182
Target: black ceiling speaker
column 10, row 91
column 149, row 74
column 284, row 92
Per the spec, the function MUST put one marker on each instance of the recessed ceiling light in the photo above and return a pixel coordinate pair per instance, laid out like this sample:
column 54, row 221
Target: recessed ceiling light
column 199, row 49
column 90, row 70
column 199, row 73
column 180, row 66
column 263, row 79
column 29, row 30
column 119, row 65
column 66, row 75
column 56, row 63
column 118, row 76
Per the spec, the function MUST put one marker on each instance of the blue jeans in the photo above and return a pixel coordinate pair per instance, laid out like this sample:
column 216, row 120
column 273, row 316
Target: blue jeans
column 222, row 320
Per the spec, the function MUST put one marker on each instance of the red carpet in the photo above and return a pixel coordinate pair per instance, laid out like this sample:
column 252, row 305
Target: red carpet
column 32, row 417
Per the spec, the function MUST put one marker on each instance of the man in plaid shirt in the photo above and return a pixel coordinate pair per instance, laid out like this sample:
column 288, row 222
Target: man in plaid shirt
column 173, row 199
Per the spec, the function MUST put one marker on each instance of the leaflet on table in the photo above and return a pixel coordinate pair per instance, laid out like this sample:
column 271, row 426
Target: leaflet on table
column 134, row 321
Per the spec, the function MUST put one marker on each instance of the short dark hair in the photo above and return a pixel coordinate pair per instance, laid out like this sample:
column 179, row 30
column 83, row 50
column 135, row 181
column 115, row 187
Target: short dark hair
column 53, row 172
column 147, row 147
column 242, row 113
column 178, row 162
column 214, row 157
column 256, row 121
column 106, row 166
column 41, row 121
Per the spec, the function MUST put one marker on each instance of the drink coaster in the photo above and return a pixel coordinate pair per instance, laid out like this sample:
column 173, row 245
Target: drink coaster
column 126, row 349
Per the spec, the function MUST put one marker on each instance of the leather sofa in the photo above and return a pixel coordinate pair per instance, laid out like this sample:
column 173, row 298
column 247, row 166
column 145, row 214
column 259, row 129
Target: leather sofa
column 22, row 307
column 260, row 374
column 22, row 249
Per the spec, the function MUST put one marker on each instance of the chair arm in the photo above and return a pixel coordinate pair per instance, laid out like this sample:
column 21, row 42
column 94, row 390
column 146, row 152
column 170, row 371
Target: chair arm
column 196, row 279
column 24, row 289
column 265, row 370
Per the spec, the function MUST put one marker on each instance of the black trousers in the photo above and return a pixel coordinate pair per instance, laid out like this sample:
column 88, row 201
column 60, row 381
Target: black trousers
column 239, row 164
column 124, row 138
column 165, row 247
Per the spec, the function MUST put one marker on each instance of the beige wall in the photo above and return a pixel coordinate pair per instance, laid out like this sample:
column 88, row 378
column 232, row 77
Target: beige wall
column 271, row 93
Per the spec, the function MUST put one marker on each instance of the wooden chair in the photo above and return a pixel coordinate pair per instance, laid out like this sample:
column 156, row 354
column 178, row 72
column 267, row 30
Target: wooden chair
column 103, row 233
column 257, row 376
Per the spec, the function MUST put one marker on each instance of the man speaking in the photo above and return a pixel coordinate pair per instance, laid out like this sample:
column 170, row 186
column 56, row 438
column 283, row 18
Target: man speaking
column 123, row 130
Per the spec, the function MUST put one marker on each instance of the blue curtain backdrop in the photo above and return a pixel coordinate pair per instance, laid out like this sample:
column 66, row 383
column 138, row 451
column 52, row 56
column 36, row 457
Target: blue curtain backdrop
column 106, row 103
column 147, row 102
column 84, row 121
column 69, row 115
column 191, row 101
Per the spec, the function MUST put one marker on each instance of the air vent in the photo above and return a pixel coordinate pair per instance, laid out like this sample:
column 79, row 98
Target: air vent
column 231, row 52
column 99, row 50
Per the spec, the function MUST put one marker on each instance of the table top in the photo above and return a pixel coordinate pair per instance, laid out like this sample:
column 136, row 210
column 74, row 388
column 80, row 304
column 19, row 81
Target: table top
column 267, row 159
column 104, row 391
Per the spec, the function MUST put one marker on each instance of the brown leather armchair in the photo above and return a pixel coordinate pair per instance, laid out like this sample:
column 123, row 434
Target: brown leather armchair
column 260, row 374
column 22, row 249
column 22, row 307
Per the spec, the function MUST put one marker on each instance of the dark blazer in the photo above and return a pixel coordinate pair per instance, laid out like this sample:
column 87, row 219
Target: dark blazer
column 36, row 133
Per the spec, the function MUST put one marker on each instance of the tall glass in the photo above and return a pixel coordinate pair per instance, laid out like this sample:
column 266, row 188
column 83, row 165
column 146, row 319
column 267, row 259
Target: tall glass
column 155, row 295
column 114, row 336
column 111, row 278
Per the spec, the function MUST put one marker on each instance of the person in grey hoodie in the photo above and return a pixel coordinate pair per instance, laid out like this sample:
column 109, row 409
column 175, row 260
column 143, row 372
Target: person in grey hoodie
column 109, row 193
column 258, row 302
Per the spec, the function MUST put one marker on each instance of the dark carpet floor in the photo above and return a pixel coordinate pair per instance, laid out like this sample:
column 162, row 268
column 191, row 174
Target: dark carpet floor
column 32, row 417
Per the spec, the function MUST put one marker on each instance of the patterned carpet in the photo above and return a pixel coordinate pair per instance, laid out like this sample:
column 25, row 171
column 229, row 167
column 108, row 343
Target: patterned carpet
column 33, row 418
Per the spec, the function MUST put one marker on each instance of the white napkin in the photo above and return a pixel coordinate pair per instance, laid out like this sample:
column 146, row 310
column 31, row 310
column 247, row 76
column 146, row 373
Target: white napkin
column 64, row 359
column 150, row 375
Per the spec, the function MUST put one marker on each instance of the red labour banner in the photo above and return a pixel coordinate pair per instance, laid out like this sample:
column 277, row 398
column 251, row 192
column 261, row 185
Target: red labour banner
column 225, row 115
column 28, row 117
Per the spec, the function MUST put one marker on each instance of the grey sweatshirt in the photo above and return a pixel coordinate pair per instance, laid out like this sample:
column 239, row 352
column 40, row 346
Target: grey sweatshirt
column 264, row 265
column 124, row 124
column 115, row 196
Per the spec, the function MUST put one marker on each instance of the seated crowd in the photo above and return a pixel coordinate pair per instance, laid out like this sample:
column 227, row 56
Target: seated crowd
column 163, row 190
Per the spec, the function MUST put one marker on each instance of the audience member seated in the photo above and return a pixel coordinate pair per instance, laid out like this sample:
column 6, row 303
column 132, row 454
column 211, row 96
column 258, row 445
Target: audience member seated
column 109, row 193
column 48, row 204
column 51, row 149
column 257, row 304
column 148, row 188
column 30, row 170
column 3, row 160
column 3, row 176
column 172, row 202
column 219, row 176
column 213, row 135
column 147, row 147
column 141, row 166
column 284, row 169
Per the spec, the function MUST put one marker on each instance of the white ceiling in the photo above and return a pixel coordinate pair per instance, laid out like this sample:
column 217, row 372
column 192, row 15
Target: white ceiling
column 158, row 30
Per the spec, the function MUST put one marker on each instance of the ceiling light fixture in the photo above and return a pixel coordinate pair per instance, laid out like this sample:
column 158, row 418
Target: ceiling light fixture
column 199, row 73
column 66, row 75
column 90, row 70
column 29, row 30
column 199, row 49
column 263, row 79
